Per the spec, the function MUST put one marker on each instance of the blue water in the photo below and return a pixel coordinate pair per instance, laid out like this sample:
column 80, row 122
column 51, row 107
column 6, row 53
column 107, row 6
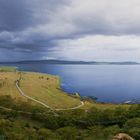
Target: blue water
column 109, row 83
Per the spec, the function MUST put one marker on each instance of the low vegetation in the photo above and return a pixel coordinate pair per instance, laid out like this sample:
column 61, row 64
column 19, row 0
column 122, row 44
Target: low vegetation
column 24, row 121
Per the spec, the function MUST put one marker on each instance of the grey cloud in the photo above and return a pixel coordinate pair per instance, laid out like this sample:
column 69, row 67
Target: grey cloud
column 14, row 15
column 17, row 17
column 35, row 26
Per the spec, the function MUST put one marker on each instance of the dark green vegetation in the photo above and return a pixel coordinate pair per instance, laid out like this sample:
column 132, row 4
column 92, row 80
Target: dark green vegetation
column 24, row 121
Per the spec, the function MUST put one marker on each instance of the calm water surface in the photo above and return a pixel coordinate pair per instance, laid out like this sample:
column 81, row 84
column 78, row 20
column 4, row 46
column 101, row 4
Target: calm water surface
column 109, row 83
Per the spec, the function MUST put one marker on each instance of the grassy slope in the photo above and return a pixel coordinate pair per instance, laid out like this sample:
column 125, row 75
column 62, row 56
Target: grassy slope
column 43, row 87
column 9, row 88
column 46, row 88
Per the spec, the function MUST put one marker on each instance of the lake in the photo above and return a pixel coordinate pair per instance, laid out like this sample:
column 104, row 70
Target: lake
column 109, row 83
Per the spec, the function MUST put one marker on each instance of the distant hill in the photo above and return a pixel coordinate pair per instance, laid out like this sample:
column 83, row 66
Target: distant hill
column 71, row 62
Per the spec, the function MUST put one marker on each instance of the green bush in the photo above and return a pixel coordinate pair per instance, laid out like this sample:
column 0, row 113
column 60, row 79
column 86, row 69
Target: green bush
column 132, row 127
column 110, row 131
column 67, row 133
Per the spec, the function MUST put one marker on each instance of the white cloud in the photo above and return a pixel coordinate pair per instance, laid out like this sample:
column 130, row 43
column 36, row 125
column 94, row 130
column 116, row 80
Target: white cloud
column 100, row 48
column 94, row 17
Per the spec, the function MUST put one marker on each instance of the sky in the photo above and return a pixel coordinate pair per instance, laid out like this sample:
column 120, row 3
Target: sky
column 88, row 30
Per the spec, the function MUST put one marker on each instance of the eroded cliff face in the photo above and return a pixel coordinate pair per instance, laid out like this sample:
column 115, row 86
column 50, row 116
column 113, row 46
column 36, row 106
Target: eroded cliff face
column 122, row 136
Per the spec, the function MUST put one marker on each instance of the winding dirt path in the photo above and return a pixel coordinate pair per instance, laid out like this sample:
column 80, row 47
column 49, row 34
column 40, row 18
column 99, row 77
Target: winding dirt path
column 82, row 104
column 45, row 105
column 23, row 94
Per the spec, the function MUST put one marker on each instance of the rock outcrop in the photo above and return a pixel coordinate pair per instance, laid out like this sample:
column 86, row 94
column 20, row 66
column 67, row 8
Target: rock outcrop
column 122, row 136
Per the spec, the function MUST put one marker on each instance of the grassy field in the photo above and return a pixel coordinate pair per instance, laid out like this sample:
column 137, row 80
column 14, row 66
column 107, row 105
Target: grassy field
column 46, row 88
column 7, row 84
column 43, row 87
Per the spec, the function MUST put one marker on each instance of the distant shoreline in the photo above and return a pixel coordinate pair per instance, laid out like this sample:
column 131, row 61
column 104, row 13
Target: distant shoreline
column 65, row 62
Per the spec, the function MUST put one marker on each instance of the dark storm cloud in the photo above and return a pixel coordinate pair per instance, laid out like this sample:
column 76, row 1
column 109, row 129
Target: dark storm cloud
column 20, row 21
column 14, row 15
column 17, row 15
